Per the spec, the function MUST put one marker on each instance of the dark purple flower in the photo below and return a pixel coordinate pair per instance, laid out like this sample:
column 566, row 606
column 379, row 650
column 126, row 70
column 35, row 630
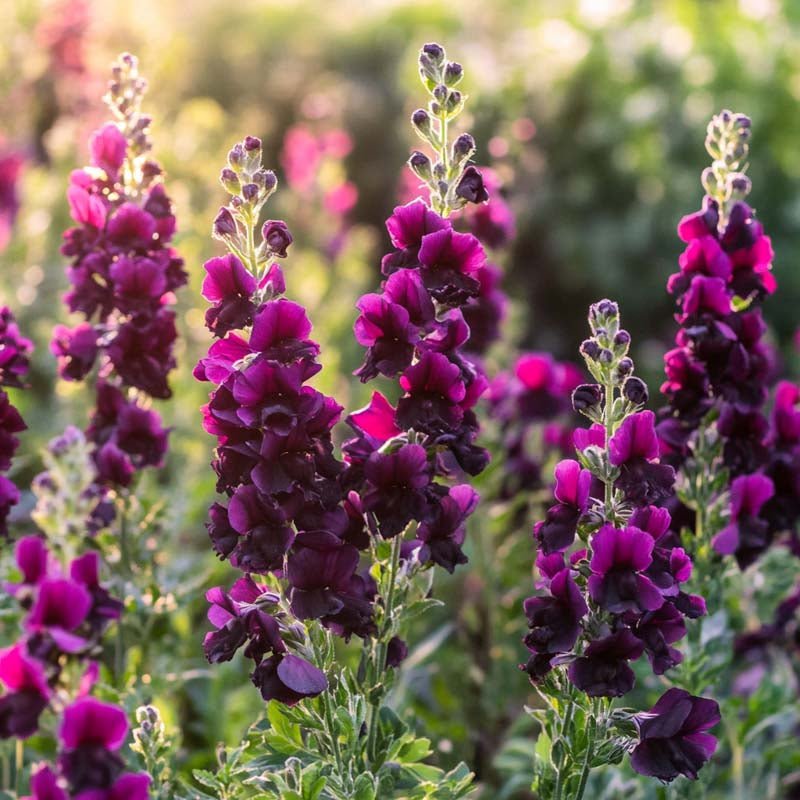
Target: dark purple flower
column 26, row 695
column 557, row 531
column 633, row 448
column 277, row 236
column 265, row 535
column 672, row 736
column 434, row 389
column 554, row 620
column 619, row 560
column 746, row 536
column 603, row 671
column 395, row 487
column 471, row 187
column 76, row 349
column 230, row 287
column 658, row 630
column 288, row 679
column 407, row 226
column 443, row 535
column 385, row 328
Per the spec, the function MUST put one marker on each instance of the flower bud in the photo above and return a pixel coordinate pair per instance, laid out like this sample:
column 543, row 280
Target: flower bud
column 454, row 102
column 252, row 153
column 463, row 147
column 624, row 366
column 622, row 339
column 606, row 356
column 230, row 181
column 420, row 165
column 277, row 237
column 740, row 184
column 453, row 73
column 471, row 187
column 265, row 180
column 236, row 157
column 441, row 94
column 587, row 396
column 590, row 349
column 421, row 121
column 635, row 390
column 250, row 192
column 224, row 224
column 435, row 52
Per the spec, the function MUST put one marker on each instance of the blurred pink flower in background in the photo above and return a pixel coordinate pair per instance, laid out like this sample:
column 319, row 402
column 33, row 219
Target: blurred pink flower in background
column 11, row 164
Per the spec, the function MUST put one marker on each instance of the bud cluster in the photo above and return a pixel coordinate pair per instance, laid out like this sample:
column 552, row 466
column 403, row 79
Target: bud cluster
column 126, row 90
column 727, row 142
column 250, row 186
column 452, row 181
column 606, row 356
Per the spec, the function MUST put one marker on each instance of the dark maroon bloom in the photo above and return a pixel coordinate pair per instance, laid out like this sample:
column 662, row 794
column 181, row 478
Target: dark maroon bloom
column 619, row 561
column 26, row 695
column 746, row 536
column 658, row 630
column 280, row 332
column 434, row 389
column 288, row 679
column 265, row 535
column 76, row 349
column 230, row 287
column 277, row 237
column 443, row 535
column 471, row 187
column 557, row 531
column 634, row 448
column 485, row 313
column 386, row 330
column 449, row 262
column 15, row 351
column 672, row 736
column 396, row 484
column 554, row 620
column 603, row 669
column 141, row 353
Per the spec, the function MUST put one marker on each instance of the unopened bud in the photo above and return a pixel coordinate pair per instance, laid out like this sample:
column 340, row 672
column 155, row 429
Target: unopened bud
column 420, row 165
column 471, row 187
column 230, row 180
column 236, row 157
column 453, row 73
column 421, row 121
column 463, row 147
column 587, row 396
column 635, row 390
column 250, row 192
column 435, row 52
column 224, row 224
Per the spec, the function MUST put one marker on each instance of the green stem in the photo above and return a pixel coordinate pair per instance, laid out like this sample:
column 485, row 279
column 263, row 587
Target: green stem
column 609, row 426
column 19, row 764
column 587, row 761
column 379, row 664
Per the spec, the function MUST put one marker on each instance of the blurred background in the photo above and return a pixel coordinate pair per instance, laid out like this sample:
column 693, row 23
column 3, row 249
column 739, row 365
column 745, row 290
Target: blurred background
column 592, row 113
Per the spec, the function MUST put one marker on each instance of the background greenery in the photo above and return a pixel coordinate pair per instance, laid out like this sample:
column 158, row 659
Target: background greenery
column 593, row 113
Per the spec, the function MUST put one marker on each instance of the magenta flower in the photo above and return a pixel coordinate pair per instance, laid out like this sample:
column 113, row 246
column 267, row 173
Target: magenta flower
column 27, row 692
column 108, row 148
column 557, row 531
column 407, row 226
column 229, row 286
column 449, row 261
column 386, row 330
column 634, row 448
column 619, row 560
column 60, row 607
column 672, row 736
column 46, row 786
column 76, row 350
